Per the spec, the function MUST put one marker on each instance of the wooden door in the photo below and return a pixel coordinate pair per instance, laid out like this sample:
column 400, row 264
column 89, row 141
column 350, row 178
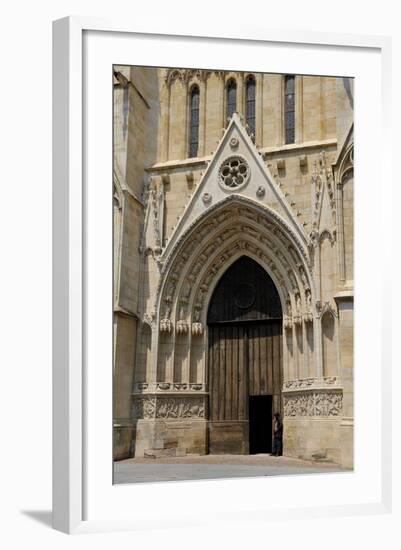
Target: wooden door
column 244, row 361
column 244, row 355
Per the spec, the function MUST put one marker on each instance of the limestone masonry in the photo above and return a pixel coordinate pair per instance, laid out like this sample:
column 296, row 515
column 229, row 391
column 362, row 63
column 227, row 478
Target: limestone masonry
column 211, row 167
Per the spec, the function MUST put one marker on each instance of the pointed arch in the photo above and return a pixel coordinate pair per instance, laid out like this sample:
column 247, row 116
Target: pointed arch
column 214, row 242
column 244, row 292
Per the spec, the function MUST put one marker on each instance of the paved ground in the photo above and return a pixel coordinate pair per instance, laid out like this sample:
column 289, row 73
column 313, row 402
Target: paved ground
column 140, row 470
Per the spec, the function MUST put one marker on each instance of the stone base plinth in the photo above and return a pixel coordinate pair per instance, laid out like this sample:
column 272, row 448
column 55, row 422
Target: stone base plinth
column 313, row 439
column 123, row 436
column 229, row 437
column 170, row 437
column 347, row 442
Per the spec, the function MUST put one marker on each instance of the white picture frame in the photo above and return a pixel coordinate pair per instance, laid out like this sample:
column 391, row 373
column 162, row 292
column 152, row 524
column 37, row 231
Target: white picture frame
column 77, row 479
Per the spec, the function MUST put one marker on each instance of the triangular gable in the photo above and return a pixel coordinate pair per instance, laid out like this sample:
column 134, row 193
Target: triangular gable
column 259, row 184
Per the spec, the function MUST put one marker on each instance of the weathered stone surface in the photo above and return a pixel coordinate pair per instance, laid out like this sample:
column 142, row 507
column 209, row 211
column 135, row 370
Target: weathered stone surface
column 178, row 226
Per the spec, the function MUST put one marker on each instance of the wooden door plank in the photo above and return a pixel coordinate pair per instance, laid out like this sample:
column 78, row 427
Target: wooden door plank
column 235, row 373
column 228, row 373
column 251, row 361
column 215, row 370
column 262, row 358
column 242, row 373
column 222, row 368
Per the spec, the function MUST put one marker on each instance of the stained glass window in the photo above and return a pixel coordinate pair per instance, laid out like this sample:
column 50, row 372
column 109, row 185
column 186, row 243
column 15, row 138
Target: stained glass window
column 194, row 122
column 231, row 98
column 250, row 103
column 289, row 108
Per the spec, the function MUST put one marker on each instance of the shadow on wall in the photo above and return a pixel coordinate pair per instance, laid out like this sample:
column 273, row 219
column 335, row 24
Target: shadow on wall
column 348, row 89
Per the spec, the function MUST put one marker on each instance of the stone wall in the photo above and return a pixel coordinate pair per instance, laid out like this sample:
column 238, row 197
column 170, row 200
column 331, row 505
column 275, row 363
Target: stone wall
column 295, row 217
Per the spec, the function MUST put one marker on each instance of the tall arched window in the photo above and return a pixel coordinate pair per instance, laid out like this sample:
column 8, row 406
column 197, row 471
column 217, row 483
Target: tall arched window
column 289, row 108
column 194, row 122
column 250, row 103
column 231, row 98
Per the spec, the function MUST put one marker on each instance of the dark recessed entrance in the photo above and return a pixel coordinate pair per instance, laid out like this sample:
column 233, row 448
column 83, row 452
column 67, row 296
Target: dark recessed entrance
column 244, row 360
column 260, row 424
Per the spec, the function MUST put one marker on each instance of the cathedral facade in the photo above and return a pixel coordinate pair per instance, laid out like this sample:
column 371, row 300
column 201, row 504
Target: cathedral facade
column 233, row 263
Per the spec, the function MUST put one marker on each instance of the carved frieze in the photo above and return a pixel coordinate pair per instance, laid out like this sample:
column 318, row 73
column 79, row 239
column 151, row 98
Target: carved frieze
column 328, row 404
column 187, row 407
column 171, row 407
column 313, row 403
column 145, row 407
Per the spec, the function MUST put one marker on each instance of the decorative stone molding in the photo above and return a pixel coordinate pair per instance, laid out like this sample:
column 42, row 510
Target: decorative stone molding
column 187, row 407
column 148, row 320
column 198, row 259
column 234, row 173
column 171, row 407
column 297, row 320
column 303, row 162
column 324, row 307
column 287, row 322
column 234, row 142
column 261, row 191
column 299, row 405
column 322, row 178
column 302, row 383
column 207, row 198
column 147, row 388
column 197, row 329
column 211, row 218
column 181, row 327
column 313, row 403
column 185, row 76
column 166, row 325
column 308, row 317
column 144, row 407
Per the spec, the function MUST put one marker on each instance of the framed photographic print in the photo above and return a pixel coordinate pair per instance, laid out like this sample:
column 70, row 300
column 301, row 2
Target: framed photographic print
column 217, row 313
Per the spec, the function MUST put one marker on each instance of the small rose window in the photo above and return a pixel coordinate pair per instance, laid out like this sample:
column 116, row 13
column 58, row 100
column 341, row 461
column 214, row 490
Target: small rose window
column 234, row 172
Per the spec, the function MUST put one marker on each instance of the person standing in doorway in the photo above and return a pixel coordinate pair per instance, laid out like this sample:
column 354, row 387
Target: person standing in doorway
column 277, row 435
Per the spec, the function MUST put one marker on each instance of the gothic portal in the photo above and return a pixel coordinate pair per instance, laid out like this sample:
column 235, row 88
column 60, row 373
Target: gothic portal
column 233, row 275
column 244, row 360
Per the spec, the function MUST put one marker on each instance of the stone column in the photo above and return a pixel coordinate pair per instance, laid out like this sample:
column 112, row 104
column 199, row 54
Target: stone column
column 240, row 94
column 125, row 328
column 340, row 235
column 165, row 122
column 259, row 110
column 299, row 137
column 202, row 118
column 345, row 304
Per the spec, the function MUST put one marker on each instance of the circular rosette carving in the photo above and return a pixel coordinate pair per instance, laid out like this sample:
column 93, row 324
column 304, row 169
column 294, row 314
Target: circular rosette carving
column 234, row 142
column 234, row 173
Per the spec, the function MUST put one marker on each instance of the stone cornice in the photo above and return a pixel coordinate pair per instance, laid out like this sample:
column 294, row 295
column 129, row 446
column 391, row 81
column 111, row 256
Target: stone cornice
column 123, row 311
column 178, row 163
column 317, row 144
column 171, row 164
column 326, row 383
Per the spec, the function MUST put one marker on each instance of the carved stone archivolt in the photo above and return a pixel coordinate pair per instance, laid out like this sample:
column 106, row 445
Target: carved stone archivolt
column 196, row 263
column 313, row 403
column 169, row 407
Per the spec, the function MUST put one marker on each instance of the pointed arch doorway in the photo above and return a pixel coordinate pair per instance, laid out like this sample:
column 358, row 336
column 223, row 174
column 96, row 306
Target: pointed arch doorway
column 244, row 360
